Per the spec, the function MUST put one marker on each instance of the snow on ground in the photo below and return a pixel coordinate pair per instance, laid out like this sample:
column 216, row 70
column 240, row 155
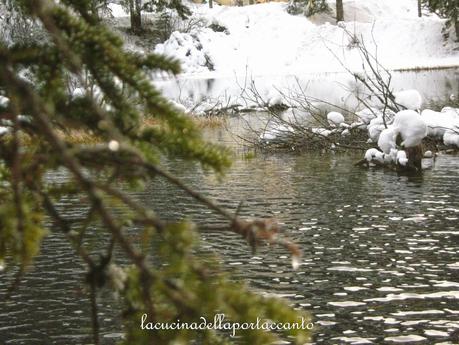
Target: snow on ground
column 264, row 39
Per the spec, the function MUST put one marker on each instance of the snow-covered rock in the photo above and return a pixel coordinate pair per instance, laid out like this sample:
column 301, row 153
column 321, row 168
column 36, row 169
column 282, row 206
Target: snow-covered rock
column 386, row 140
column 451, row 110
column 375, row 127
column 402, row 159
column 410, row 99
column 374, row 154
column 428, row 154
column 321, row 131
column 334, row 118
column 451, row 138
column 391, row 157
column 412, row 128
column 439, row 122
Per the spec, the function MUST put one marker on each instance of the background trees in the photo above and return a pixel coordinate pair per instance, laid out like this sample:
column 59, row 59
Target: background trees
column 80, row 78
column 312, row 7
column 136, row 7
column 339, row 11
column 447, row 9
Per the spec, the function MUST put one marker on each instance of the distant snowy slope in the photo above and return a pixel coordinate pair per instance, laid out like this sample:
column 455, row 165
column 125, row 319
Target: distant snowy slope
column 265, row 40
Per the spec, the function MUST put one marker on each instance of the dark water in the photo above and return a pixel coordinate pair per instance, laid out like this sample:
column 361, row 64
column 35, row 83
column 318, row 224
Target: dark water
column 380, row 251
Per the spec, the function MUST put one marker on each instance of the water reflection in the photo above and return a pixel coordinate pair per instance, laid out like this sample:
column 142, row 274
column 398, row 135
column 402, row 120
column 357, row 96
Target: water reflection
column 433, row 85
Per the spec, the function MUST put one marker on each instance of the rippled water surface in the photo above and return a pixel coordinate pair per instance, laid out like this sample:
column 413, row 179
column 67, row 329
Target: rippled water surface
column 380, row 262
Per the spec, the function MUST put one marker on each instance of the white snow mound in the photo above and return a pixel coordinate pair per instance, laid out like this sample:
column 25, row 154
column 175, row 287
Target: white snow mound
column 451, row 138
column 412, row 128
column 335, row 119
column 386, row 140
column 402, row 158
column 410, row 99
column 440, row 122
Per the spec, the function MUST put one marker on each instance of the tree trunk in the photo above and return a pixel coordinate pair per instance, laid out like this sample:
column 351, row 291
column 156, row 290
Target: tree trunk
column 419, row 8
column 136, row 16
column 339, row 11
column 455, row 22
column 211, row 3
column 414, row 155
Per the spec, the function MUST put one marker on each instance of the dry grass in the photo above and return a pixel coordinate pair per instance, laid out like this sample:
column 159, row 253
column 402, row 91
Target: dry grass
column 83, row 136
column 210, row 121
column 202, row 122
column 80, row 136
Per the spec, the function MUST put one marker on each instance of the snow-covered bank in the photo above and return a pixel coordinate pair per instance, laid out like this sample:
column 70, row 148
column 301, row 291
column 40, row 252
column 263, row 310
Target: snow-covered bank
column 264, row 40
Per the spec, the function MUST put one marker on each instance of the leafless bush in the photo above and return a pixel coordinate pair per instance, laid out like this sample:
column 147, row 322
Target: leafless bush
column 375, row 78
column 297, row 120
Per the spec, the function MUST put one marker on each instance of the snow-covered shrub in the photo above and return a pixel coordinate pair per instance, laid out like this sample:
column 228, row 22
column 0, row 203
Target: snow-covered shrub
column 186, row 47
column 169, row 22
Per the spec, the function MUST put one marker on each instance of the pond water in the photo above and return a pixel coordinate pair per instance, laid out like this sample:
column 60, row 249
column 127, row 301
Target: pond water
column 380, row 251
column 380, row 263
